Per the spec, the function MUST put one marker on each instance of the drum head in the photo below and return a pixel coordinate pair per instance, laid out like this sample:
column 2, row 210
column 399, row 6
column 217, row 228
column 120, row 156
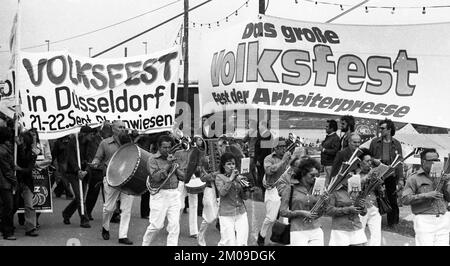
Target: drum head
column 122, row 164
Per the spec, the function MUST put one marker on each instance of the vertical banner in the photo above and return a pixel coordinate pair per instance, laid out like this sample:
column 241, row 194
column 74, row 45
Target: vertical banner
column 60, row 91
column 375, row 72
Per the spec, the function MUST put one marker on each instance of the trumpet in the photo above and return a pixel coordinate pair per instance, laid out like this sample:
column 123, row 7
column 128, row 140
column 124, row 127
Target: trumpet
column 295, row 142
column 154, row 190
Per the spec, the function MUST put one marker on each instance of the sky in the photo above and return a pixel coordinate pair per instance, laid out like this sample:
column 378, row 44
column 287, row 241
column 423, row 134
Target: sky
column 56, row 20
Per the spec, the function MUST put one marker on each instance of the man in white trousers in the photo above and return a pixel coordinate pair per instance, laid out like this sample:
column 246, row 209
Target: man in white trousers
column 275, row 164
column 166, row 202
column 428, row 202
column 182, row 160
column 105, row 151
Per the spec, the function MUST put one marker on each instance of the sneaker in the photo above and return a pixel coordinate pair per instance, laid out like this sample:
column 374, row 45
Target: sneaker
column 85, row 224
column 11, row 237
column 193, row 236
column 66, row 220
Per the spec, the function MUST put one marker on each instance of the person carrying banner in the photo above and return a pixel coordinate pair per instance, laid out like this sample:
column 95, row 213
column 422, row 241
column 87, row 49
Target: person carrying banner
column 384, row 149
column 26, row 158
column 330, row 147
column 8, row 183
column 429, row 195
column 164, row 175
column 275, row 165
column 105, row 151
column 347, row 128
column 89, row 142
column 232, row 212
column 73, row 174
column 303, row 233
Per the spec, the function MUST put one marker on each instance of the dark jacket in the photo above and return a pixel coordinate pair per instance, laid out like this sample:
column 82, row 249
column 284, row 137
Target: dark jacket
column 376, row 148
column 71, row 157
column 330, row 146
column 7, row 178
column 26, row 159
column 341, row 156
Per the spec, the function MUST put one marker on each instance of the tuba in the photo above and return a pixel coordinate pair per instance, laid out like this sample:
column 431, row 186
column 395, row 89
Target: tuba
column 153, row 190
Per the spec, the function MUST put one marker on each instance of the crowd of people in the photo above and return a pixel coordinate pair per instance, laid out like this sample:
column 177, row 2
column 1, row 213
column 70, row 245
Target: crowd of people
column 280, row 169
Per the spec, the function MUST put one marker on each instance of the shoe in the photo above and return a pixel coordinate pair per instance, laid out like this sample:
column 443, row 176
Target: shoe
column 38, row 225
column 66, row 220
column 85, row 224
column 185, row 210
column 32, row 233
column 260, row 240
column 193, row 236
column 144, row 217
column 105, row 234
column 125, row 241
column 11, row 237
column 90, row 217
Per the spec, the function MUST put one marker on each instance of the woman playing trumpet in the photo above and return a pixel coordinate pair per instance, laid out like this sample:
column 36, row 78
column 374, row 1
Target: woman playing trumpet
column 303, row 233
column 232, row 212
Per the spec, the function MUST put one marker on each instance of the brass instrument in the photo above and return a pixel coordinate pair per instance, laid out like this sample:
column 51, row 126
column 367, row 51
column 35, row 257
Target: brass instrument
column 295, row 142
column 153, row 190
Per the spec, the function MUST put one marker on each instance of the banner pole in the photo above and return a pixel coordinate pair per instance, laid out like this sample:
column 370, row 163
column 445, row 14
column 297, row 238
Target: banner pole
column 80, row 183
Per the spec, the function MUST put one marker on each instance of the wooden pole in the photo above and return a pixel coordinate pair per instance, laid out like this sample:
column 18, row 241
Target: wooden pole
column 80, row 183
column 186, row 51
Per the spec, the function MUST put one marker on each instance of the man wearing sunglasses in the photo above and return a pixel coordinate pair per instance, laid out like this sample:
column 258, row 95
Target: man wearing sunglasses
column 429, row 202
column 384, row 149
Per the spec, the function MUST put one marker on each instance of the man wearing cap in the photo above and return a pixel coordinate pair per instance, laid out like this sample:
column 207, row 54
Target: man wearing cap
column 105, row 151
column 428, row 202
column 275, row 164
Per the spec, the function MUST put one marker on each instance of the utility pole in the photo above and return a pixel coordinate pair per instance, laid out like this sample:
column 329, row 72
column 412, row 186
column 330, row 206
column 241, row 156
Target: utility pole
column 125, row 52
column 262, row 7
column 48, row 45
column 186, row 51
column 145, row 43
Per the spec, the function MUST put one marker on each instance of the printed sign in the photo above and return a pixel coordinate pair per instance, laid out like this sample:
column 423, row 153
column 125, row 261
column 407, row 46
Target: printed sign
column 61, row 91
column 374, row 72
column 42, row 198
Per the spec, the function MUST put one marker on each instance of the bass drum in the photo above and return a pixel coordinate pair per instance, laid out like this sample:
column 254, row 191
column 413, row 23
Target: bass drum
column 127, row 170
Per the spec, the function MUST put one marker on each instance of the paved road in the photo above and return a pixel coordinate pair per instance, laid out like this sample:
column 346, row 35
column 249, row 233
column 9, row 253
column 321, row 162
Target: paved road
column 54, row 233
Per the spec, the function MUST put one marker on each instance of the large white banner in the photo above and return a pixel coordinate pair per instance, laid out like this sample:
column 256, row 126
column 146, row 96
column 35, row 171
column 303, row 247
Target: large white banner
column 61, row 91
column 395, row 72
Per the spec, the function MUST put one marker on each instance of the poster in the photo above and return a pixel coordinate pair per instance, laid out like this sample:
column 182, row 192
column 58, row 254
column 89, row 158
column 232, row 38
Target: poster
column 42, row 199
column 61, row 91
column 373, row 72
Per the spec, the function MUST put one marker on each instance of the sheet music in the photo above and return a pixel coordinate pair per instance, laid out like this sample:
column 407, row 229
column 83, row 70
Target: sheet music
column 354, row 183
column 319, row 186
column 245, row 165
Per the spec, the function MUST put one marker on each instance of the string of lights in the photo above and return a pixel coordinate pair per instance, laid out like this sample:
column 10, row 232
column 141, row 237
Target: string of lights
column 217, row 22
column 367, row 7
column 100, row 29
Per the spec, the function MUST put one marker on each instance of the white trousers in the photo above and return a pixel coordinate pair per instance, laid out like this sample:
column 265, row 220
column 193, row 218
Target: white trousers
column 126, row 203
column 272, row 201
column 431, row 230
column 312, row 237
column 193, row 206
column 373, row 220
column 347, row 238
column 166, row 203
column 234, row 230
column 210, row 213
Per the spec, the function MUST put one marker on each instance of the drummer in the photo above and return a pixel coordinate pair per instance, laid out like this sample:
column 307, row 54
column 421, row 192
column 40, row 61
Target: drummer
column 166, row 202
column 105, row 151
